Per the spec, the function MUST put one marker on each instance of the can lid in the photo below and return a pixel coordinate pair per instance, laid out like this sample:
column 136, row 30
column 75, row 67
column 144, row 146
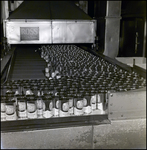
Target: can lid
column 47, row 96
column 21, row 99
column 39, row 97
column 3, row 98
column 63, row 99
column 11, row 102
column 30, row 96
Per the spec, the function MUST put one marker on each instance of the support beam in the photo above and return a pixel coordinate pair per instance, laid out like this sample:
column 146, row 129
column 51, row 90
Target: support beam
column 112, row 28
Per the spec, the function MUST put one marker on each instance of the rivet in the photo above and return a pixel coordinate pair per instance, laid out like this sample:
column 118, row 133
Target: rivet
column 94, row 141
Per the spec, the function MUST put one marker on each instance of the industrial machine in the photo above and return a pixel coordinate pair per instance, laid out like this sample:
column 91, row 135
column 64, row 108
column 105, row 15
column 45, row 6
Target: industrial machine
column 52, row 78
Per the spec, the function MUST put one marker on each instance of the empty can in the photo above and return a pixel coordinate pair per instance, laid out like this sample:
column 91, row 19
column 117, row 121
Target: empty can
column 100, row 102
column 71, row 103
column 93, row 100
column 31, row 108
column 3, row 108
column 64, row 107
column 21, row 108
column 87, row 103
column 47, row 106
column 56, row 105
column 78, row 104
column 11, row 110
column 39, row 104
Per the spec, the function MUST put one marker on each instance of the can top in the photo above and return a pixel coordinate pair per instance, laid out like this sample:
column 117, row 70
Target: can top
column 12, row 102
column 3, row 98
column 47, row 96
column 39, row 97
column 21, row 99
column 30, row 97
column 64, row 99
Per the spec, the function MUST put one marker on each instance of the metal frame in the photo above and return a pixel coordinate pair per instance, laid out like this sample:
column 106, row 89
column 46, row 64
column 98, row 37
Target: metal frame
column 127, row 105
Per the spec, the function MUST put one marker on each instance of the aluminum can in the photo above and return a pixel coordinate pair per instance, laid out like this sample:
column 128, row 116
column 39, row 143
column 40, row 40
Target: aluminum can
column 31, row 108
column 39, row 104
column 47, row 106
column 21, row 108
column 71, row 103
column 78, row 104
column 100, row 102
column 87, row 103
column 11, row 110
column 64, row 107
column 3, row 108
column 93, row 100
column 56, row 104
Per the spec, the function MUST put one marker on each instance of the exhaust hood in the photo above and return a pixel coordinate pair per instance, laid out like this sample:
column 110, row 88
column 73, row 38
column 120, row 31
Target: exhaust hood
column 49, row 22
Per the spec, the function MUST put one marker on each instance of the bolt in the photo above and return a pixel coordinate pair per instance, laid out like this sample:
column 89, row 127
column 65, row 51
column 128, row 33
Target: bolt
column 94, row 141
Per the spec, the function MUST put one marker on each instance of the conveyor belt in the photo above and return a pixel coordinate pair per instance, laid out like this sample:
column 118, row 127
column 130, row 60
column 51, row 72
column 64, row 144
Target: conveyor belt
column 89, row 86
column 27, row 64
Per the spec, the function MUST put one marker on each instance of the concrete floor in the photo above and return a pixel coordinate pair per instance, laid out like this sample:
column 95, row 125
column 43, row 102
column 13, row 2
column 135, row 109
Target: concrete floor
column 122, row 134
column 117, row 135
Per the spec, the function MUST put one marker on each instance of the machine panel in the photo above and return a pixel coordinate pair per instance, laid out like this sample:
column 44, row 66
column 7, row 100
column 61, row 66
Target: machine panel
column 73, row 31
column 51, row 31
column 126, row 105
column 15, row 32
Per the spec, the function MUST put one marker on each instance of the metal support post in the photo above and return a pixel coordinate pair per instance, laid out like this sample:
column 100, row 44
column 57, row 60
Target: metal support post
column 112, row 28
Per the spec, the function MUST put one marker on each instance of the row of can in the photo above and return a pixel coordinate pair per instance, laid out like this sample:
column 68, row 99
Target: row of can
column 70, row 60
column 47, row 106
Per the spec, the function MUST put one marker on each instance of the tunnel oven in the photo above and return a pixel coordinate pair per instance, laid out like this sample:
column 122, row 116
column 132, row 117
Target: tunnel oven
column 49, row 35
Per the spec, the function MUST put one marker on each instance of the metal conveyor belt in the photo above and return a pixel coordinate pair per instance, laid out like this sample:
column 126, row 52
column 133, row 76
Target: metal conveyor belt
column 27, row 64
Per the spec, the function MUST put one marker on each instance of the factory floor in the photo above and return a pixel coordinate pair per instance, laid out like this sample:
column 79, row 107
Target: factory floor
column 120, row 134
